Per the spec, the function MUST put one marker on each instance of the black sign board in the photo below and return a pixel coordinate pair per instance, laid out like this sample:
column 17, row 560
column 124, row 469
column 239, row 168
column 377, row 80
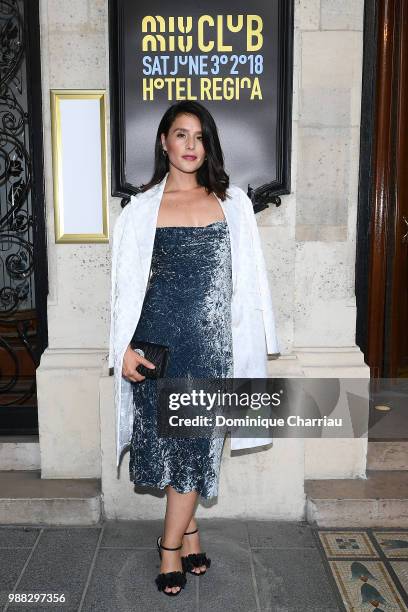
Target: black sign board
column 235, row 58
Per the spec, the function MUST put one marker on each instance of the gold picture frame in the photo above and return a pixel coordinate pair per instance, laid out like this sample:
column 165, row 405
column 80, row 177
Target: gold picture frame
column 79, row 160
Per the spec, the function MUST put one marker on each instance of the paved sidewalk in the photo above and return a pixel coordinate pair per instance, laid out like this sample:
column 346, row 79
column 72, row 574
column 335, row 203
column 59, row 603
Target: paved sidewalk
column 256, row 566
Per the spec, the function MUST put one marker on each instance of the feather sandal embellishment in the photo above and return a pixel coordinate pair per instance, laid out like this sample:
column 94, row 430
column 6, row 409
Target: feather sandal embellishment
column 169, row 579
column 195, row 560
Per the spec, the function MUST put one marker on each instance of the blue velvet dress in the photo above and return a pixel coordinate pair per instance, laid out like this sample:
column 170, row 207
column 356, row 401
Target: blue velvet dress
column 187, row 307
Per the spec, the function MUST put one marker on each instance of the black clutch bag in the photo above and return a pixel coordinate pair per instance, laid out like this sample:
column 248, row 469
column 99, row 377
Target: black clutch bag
column 156, row 353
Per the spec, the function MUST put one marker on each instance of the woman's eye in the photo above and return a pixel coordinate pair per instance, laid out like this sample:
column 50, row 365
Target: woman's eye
column 181, row 134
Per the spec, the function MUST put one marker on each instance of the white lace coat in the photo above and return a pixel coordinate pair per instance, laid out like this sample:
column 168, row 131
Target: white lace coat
column 253, row 322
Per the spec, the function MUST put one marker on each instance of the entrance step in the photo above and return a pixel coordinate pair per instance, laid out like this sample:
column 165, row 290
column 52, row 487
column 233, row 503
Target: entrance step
column 388, row 455
column 27, row 498
column 19, row 453
column 381, row 500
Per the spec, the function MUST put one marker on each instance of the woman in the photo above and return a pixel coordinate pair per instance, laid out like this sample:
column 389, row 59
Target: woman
column 183, row 269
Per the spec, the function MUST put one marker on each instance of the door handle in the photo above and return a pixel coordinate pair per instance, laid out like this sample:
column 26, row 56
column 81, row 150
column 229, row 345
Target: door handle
column 405, row 236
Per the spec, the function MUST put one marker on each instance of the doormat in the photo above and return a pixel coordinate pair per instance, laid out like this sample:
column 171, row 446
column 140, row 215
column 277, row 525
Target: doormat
column 368, row 568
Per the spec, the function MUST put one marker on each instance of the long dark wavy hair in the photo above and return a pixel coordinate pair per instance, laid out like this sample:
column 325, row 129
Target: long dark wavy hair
column 211, row 173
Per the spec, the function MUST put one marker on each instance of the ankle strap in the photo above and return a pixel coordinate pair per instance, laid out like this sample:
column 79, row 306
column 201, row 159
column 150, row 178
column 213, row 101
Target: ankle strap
column 167, row 548
column 188, row 532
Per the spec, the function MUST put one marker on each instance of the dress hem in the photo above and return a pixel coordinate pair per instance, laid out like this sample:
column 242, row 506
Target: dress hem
column 161, row 488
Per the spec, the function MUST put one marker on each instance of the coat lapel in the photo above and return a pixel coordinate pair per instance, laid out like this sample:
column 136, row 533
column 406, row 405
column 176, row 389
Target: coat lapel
column 231, row 214
column 145, row 221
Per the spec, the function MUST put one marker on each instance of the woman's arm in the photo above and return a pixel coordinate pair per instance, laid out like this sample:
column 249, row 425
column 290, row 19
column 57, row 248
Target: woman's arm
column 272, row 343
column 117, row 235
column 125, row 293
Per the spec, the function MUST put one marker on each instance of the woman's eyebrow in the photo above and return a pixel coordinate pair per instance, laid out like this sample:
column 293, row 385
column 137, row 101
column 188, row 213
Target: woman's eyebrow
column 185, row 130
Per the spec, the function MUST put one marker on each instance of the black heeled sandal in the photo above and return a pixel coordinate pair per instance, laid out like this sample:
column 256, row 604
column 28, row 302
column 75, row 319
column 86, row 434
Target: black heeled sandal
column 195, row 560
column 170, row 579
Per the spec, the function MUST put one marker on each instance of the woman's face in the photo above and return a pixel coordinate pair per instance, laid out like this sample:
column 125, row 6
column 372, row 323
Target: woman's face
column 184, row 143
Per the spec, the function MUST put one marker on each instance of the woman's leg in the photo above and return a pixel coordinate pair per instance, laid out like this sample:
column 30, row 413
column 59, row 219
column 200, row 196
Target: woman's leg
column 191, row 544
column 179, row 510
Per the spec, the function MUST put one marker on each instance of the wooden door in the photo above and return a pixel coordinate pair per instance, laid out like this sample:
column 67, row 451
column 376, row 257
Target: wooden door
column 382, row 249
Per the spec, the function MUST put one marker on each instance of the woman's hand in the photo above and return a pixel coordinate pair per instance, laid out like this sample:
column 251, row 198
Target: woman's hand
column 131, row 361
